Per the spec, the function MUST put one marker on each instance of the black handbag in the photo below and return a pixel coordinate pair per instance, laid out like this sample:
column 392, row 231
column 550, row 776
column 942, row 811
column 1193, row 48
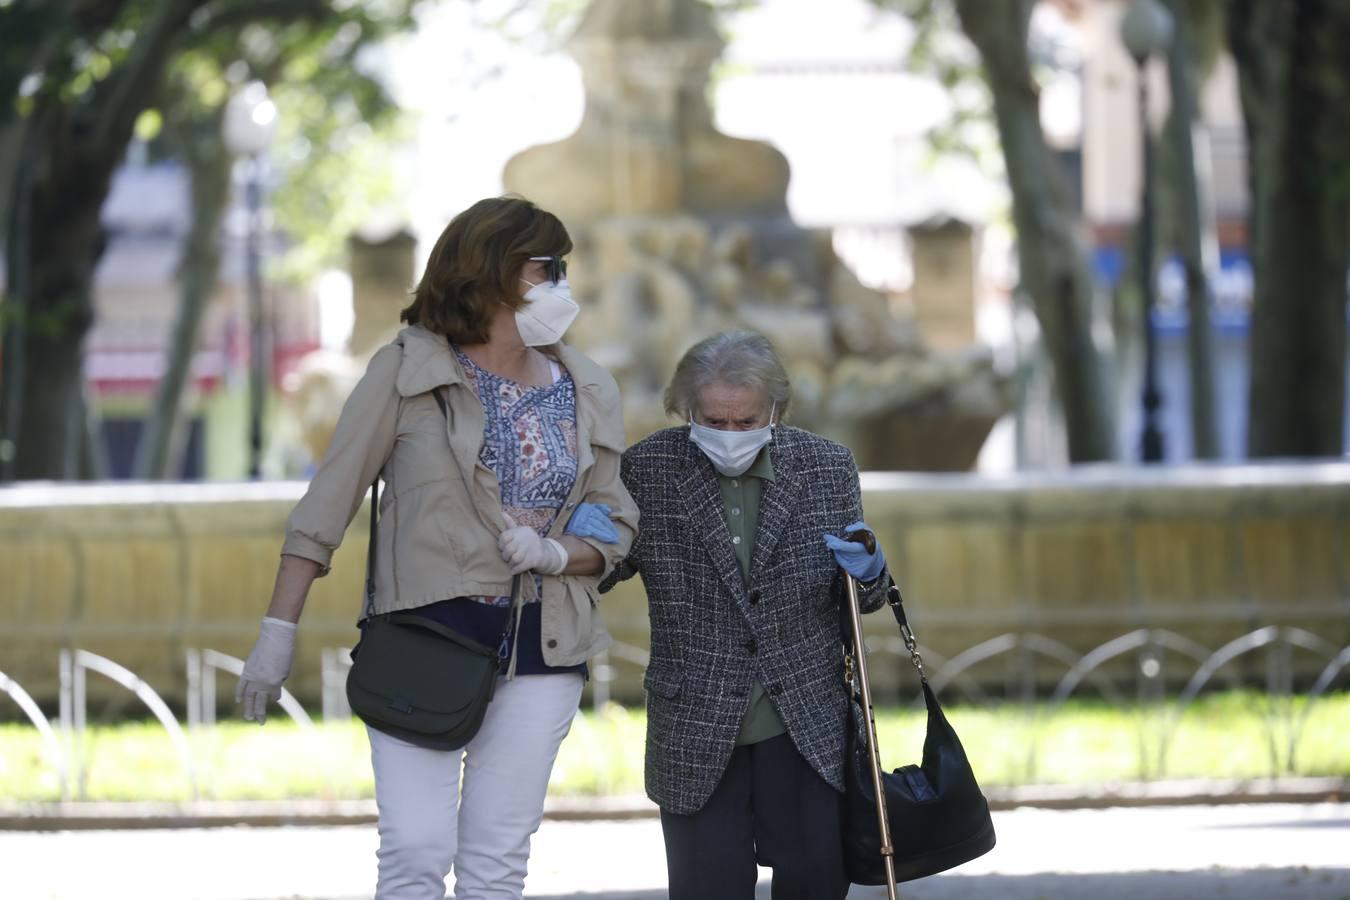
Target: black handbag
column 415, row 679
column 938, row 817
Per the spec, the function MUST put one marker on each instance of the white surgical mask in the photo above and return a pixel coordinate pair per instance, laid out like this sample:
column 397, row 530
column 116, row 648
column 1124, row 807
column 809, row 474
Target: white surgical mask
column 731, row 452
column 549, row 309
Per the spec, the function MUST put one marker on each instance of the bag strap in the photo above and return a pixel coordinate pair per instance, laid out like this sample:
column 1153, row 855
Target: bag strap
column 369, row 609
column 512, row 618
column 370, row 548
column 897, row 604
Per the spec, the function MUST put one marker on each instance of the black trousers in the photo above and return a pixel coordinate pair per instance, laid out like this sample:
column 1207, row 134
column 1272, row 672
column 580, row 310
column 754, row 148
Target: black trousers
column 771, row 809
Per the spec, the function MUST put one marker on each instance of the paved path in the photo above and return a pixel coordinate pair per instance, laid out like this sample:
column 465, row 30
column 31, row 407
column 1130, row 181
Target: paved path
column 1173, row 853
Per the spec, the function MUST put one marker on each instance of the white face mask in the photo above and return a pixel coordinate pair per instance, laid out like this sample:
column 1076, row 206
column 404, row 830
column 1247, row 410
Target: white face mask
column 731, row 452
column 549, row 309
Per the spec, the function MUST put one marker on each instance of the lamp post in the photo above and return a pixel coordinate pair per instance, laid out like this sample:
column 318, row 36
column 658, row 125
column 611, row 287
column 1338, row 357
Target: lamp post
column 1146, row 29
column 250, row 123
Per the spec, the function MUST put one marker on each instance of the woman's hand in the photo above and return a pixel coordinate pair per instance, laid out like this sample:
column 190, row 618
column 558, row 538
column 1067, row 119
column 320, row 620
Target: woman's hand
column 523, row 549
column 592, row 520
column 853, row 557
column 266, row 668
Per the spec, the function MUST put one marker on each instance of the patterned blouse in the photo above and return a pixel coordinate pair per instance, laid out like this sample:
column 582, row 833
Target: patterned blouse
column 530, row 442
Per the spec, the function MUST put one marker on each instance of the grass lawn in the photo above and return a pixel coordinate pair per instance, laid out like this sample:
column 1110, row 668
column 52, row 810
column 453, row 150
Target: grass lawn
column 1229, row 735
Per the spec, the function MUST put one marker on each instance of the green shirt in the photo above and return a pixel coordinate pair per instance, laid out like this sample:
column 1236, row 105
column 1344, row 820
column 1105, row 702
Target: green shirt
column 740, row 507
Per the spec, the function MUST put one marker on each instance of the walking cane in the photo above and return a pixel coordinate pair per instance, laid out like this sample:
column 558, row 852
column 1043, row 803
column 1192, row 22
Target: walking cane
column 869, row 541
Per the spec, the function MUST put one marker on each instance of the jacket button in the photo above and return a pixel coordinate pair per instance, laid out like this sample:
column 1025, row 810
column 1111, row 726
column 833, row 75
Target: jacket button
column 552, row 644
column 751, row 646
column 754, row 596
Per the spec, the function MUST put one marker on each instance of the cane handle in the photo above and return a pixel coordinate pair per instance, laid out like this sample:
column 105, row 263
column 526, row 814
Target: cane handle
column 864, row 537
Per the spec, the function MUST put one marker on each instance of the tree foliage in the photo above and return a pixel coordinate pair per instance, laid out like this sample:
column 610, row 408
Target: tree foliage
column 330, row 167
column 78, row 76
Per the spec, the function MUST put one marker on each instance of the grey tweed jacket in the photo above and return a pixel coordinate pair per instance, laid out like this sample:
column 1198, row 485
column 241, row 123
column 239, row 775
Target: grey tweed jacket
column 713, row 634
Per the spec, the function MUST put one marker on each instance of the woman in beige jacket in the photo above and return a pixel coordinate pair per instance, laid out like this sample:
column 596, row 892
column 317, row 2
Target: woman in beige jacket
column 513, row 469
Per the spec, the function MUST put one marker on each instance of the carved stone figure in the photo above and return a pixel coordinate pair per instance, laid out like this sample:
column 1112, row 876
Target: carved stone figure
column 681, row 232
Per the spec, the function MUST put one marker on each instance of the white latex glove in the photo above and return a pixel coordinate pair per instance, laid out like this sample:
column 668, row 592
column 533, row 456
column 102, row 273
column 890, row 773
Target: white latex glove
column 266, row 668
column 524, row 549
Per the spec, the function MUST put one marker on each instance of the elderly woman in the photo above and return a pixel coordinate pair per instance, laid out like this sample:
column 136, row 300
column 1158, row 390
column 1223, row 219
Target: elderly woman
column 739, row 551
column 498, row 445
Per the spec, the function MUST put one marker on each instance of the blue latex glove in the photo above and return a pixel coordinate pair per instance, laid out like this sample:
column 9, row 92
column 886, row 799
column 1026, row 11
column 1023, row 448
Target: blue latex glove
column 592, row 520
column 853, row 558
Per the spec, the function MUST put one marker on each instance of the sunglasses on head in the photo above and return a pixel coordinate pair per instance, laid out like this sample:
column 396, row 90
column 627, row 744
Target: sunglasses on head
column 555, row 267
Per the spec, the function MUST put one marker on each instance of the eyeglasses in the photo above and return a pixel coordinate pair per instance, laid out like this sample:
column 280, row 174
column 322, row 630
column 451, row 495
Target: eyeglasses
column 555, row 268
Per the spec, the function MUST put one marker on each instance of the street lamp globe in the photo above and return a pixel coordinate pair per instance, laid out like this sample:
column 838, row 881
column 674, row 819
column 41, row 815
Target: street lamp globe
column 1147, row 28
column 250, row 120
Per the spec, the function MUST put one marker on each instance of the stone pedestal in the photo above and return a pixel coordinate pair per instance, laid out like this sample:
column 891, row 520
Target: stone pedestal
column 944, row 283
column 646, row 144
column 382, row 281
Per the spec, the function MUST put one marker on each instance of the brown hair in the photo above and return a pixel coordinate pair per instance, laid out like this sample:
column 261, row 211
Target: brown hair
column 476, row 264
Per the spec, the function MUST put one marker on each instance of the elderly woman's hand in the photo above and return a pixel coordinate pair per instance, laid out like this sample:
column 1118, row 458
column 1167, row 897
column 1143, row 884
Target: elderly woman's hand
column 592, row 520
column 853, row 557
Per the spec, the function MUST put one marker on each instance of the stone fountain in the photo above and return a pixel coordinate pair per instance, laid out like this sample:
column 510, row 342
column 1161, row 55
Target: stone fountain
column 682, row 231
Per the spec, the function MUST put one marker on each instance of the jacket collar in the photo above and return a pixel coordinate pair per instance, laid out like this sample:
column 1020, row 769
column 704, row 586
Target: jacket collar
column 778, row 501
column 428, row 363
column 702, row 500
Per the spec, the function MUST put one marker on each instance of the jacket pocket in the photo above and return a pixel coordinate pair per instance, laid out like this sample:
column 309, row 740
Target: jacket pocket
column 663, row 682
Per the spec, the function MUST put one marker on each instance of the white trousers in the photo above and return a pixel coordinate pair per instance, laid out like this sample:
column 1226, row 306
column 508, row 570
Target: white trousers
column 428, row 822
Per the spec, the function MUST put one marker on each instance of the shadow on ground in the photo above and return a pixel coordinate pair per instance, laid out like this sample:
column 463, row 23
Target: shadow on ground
column 1244, row 884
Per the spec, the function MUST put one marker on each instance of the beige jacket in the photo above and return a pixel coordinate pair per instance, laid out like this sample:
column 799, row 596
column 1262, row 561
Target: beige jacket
column 440, row 509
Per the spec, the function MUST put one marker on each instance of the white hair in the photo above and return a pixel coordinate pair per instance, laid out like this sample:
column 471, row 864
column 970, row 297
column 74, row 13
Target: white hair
column 738, row 358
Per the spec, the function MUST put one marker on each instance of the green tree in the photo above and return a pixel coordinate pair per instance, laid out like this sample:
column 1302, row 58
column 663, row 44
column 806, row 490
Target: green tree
column 338, row 127
column 78, row 76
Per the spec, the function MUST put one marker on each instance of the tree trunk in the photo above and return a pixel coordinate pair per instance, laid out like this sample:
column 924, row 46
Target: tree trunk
column 13, row 311
column 11, row 141
column 199, row 272
column 1195, row 220
column 54, row 265
column 1295, row 79
column 71, row 150
column 1053, row 263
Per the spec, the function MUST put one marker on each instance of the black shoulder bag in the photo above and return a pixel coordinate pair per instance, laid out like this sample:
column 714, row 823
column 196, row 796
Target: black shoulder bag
column 414, row 678
column 937, row 815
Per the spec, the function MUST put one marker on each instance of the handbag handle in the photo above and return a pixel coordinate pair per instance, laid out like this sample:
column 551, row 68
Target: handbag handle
column 503, row 647
column 370, row 548
column 897, row 604
column 375, row 524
